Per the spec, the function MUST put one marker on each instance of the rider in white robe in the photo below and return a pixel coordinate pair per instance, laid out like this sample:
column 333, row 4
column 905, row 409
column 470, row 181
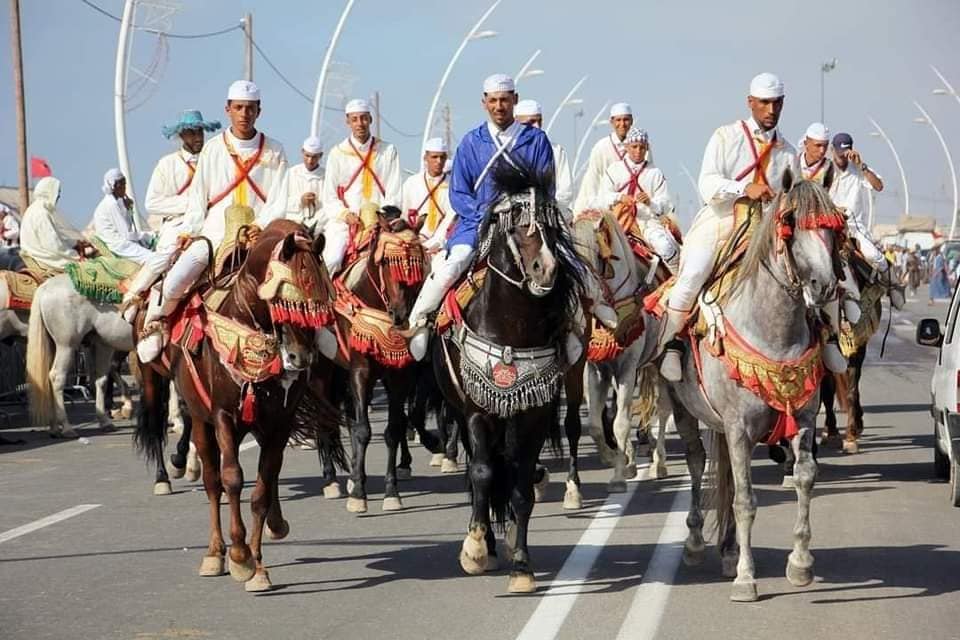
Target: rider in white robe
column 607, row 151
column 426, row 198
column 117, row 225
column 304, row 185
column 45, row 236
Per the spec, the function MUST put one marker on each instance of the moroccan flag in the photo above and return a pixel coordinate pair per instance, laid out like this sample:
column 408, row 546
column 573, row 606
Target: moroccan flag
column 39, row 168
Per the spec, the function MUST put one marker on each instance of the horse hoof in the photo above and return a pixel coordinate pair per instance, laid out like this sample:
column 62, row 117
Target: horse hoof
column 116, row 414
column 851, row 446
column 356, row 505
column 162, row 489
column 332, row 491
column 449, row 466
column 617, row 486
column 788, row 482
column 473, row 553
column 436, row 460
column 242, row 571
column 108, row 427
column 193, row 471
column 176, row 472
column 521, row 583
column 660, row 471
column 799, row 576
column 630, row 471
column 693, row 557
column 69, row 432
column 392, row 504
column 831, row 440
column 729, row 566
column 211, row 566
column 744, row 592
column 492, row 564
column 279, row 534
column 404, row 473
column 539, row 494
column 572, row 499
column 259, row 582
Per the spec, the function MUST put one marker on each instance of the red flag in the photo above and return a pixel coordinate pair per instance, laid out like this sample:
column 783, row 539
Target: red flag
column 39, row 168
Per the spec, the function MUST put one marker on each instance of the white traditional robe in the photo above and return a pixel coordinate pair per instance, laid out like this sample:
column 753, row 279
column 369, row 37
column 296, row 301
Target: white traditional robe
column 10, row 231
column 605, row 152
column 298, row 182
column 816, row 171
column 44, row 234
column 168, row 192
column 564, row 178
column 115, row 226
column 340, row 194
column 616, row 183
column 435, row 211
column 728, row 167
column 849, row 193
column 217, row 171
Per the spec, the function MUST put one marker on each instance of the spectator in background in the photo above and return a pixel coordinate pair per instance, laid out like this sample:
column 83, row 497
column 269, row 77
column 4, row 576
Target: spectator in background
column 9, row 228
column 939, row 276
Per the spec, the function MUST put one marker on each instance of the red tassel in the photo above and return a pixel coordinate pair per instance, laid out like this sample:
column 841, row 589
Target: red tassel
column 248, row 409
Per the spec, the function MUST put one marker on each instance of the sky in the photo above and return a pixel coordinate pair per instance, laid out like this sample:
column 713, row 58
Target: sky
column 684, row 66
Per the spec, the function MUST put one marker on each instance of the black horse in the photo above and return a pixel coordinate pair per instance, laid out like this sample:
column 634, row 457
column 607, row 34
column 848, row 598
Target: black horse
column 503, row 367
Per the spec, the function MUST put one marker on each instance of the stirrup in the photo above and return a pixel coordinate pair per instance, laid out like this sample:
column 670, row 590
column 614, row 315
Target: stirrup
column 671, row 367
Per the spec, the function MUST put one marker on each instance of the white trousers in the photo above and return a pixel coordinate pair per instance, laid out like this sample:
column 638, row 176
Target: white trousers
column 180, row 278
column 444, row 273
column 697, row 256
column 658, row 237
column 868, row 249
column 336, row 235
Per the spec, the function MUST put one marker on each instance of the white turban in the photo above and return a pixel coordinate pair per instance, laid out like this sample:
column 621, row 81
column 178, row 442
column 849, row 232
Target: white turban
column 243, row 90
column 435, row 145
column 498, row 82
column 818, row 131
column 527, row 108
column 110, row 180
column 620, row 109
column 357, row 105
column 766, row 86
column 313, row 145
column 636, row 134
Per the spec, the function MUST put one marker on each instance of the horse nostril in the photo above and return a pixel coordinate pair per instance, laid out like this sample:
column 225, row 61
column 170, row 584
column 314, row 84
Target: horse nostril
column 537, row 266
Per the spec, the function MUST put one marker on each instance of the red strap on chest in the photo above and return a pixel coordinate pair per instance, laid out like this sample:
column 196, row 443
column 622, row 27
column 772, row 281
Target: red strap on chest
column 364, row 166
column 243, row 172
column 413, row 214
column 191, row 171
column 758, row 158
column 633, row 184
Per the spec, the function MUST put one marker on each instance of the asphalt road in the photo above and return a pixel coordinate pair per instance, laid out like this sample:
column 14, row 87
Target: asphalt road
column 114, row 561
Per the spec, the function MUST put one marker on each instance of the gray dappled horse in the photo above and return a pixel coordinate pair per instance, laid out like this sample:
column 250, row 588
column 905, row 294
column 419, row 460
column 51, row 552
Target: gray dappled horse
column 781, row 283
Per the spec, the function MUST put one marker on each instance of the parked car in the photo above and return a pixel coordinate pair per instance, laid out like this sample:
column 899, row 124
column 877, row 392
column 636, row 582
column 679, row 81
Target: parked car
column 945, row 395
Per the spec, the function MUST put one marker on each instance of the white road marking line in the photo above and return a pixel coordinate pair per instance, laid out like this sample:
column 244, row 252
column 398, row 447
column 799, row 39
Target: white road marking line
column 45, row 522
column 649, row 603
column 558, row 600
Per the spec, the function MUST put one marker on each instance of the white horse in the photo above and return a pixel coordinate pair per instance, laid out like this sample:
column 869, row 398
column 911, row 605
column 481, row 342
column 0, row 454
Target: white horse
column 61, row 322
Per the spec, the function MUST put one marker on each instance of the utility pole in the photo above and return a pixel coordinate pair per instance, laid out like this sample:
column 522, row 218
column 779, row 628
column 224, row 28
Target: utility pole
column 19, row 99
column 247, row 23
column 447, row 126
column 376, row 114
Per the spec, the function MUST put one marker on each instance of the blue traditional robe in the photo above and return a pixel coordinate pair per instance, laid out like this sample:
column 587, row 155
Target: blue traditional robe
column 531, row 151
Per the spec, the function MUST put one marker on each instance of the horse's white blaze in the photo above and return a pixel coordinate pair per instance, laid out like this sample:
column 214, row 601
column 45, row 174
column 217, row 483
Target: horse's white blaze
column 46, row 522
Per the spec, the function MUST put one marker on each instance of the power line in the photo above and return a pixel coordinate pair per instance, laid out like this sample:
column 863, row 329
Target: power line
column 279, row 73
column 181, row 36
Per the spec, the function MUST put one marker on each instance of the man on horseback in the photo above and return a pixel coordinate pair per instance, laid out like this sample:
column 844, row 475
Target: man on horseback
column 115, row 223
column 426, row 195
column 500, row 140
column 305, row 184
column 530, row 112
column 741, row 160
column 242, row 166
column 605, row 152
column 48, row 243
column 363, row 175
column 637, row 192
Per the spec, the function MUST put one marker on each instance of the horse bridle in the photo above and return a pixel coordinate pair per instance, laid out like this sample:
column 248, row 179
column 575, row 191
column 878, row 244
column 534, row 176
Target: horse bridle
column 377, row 283
column 516, row 213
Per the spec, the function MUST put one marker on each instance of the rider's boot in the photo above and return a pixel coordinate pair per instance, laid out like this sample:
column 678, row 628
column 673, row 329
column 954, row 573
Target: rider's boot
column 672, row 321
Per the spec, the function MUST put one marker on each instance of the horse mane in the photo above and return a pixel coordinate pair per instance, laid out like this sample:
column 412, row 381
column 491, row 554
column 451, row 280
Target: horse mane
column 806, row 199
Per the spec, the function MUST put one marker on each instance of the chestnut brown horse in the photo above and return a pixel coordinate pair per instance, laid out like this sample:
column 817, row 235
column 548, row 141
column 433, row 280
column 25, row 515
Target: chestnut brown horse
column 242, row 369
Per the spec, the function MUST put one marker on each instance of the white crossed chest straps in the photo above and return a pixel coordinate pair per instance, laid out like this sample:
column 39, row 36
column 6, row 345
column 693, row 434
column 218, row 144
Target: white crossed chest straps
column 502, row 150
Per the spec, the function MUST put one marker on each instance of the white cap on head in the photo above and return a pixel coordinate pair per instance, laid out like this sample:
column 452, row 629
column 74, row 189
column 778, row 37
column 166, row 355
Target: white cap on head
column 110, row 180
column 435, row 145
column 313, row 145
column 357, row 105
column 498, row 82
column 243, row 90
column 526, row 108
column 620, row 109
column 636, row 134
column 818, row 131
column 766, row 86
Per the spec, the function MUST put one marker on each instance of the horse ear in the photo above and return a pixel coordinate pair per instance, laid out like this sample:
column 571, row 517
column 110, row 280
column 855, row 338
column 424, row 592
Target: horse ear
column 289, row 247
column 787, row 181
column 319, row 242
column 828, row 178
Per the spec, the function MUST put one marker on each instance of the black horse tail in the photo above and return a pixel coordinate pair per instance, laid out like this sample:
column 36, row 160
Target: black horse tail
column 556, row 432
column 150, row 434
column 316, row 417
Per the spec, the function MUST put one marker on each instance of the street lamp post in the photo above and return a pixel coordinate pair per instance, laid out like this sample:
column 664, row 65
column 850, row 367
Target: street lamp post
column 597, row 121
column 316, row 119
column 693, row 183
column 825, row 68
column 473, row 34
column 119, row 98
column 526, row 71
column 926, row 119
column 567, row 100
column 896, row 156
column 949, row 90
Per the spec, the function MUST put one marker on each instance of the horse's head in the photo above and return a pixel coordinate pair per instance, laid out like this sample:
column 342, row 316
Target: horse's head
column 806, row 231
column 396, row 264
column 293, row 291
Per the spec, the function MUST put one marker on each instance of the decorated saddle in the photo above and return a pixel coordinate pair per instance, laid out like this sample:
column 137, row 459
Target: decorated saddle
column 103, row 278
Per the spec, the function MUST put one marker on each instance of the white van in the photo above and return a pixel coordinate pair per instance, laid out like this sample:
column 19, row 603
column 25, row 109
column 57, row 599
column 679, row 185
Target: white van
column 945, row 395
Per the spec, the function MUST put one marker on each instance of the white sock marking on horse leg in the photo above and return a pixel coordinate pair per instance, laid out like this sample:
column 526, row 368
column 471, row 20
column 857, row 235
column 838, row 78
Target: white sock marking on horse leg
column 558, row 600
column 45, row 522
column 646, row 611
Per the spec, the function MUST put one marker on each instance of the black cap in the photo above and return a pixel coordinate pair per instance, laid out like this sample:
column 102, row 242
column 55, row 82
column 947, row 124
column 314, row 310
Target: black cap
column 842, row 142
